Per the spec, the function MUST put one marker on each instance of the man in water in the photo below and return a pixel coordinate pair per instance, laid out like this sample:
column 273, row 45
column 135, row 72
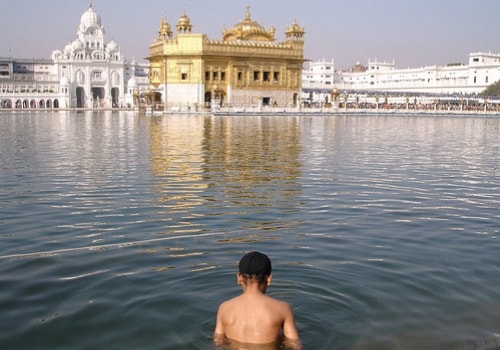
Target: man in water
column 253, row 319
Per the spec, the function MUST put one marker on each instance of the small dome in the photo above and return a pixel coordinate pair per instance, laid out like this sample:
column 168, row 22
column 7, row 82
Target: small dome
column 165, row 31
column 68, row 48
column 295, row 31
column 90, row 18
column 184, row 20
column 184, row 24
column 165, row 26
column 248, row 29
column 56, row 54
column 112, row 46
column 77, row 44
column 295, row 28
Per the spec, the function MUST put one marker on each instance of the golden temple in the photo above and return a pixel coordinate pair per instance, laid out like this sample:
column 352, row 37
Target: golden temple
column 246, row 67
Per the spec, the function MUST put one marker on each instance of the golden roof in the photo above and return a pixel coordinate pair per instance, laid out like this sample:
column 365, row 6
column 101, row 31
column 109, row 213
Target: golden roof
column 247, row 29
column 184, row 20
column 295, row 29
column 184, row 24
column 165, row 31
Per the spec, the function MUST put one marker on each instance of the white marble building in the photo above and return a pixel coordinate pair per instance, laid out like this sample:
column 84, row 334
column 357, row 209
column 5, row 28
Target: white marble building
column 318, row 80
column 482, row 70
column 87, row 73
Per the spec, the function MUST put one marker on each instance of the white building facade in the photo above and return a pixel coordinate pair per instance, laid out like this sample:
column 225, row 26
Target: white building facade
column 482, row 70
column 87, row 73
column 318, row 80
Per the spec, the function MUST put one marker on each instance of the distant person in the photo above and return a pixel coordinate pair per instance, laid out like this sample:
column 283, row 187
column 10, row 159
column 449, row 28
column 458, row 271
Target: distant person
column 254, row 320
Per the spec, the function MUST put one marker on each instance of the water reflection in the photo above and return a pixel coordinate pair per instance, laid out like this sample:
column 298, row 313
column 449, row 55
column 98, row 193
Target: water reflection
column 384, row 230
column 225, row 163
column 176, row 161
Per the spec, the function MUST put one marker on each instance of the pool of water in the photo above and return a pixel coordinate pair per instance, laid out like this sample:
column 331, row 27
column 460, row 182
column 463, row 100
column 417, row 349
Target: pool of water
column 122, row 231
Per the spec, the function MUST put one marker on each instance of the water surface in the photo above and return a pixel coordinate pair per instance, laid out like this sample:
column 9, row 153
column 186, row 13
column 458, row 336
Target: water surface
column 124, row 231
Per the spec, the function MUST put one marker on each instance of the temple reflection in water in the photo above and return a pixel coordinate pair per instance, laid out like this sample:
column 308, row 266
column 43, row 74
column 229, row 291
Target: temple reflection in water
column 198, row 161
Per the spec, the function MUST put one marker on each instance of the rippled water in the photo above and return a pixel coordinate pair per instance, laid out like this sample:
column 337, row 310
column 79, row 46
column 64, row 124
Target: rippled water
column 120, row 231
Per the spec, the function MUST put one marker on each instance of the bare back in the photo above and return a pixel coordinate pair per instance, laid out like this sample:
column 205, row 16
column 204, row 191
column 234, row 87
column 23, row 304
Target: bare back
column 255, row 318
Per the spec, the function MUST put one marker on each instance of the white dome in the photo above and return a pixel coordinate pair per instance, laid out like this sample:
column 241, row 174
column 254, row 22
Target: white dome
column 90, row 18
column 112, row 46
column 56, row 54
column 68, row 48
column 77, row 44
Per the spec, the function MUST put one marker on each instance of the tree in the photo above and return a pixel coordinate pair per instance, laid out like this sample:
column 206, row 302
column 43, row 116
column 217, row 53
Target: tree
column 492, row 90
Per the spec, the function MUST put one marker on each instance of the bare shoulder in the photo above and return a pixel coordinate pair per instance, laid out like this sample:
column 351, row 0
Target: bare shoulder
column 229, row 306
column 230, row 302
column 281, row 305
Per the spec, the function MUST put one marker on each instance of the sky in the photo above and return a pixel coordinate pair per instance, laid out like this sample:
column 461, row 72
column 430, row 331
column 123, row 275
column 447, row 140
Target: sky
column 412, row 33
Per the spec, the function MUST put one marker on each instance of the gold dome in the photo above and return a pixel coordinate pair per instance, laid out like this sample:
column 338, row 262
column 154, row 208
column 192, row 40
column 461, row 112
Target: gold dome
column 247, row 29
column 295, row 31
column 165, row 31
column 184, row 20
column 184, row 24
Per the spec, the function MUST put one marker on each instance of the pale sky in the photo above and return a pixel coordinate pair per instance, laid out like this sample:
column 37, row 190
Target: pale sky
column 413, row 33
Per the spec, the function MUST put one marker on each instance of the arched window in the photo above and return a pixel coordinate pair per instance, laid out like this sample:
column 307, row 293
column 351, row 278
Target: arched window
column 115, row 78
column 80, row 77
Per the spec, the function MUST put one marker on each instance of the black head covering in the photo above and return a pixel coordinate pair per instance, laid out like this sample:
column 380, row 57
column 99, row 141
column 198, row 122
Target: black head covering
column 255, row 263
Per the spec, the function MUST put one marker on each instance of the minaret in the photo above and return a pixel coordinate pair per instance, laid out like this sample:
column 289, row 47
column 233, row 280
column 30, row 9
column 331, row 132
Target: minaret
column 295, row 32
column 184, row 24
column 165, row 32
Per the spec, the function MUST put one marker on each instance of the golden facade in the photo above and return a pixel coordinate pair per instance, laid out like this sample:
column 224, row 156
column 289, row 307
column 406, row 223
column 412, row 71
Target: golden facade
column 247, row 67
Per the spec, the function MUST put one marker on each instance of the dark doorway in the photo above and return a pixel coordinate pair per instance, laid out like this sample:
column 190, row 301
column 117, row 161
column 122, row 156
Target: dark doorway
column 208, row 97
column 98, row 96
column 80, row 97
column 115, row 97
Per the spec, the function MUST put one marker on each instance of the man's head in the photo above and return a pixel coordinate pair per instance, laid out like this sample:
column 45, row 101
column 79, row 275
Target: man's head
column 255, row 266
